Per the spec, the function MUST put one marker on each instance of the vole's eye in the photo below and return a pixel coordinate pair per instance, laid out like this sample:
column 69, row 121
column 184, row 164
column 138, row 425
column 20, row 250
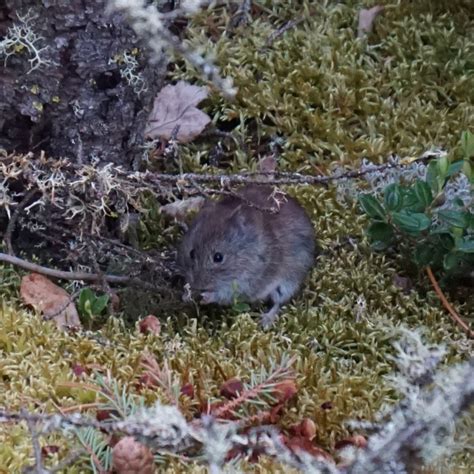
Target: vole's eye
column 218, row 257
column 192, row 254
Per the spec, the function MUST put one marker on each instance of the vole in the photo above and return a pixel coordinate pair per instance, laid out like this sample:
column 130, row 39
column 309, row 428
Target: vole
column 236, row 248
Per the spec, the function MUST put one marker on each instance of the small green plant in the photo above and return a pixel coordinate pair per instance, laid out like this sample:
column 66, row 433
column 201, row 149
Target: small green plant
column 90, row 305
column 432, row 218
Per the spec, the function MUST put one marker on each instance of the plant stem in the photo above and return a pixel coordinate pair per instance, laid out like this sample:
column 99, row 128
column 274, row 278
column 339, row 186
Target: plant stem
column 454, row 315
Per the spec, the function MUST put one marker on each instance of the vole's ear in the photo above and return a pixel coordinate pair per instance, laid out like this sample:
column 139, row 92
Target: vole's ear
column 238, row 218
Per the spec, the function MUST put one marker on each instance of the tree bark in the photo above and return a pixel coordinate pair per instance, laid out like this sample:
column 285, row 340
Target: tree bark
column 77, row 102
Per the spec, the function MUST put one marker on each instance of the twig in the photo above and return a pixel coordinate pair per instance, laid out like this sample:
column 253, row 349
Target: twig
column 454, row 315
column 63, row 275
column 7, row 238
column 187, row 179
column 38, row 466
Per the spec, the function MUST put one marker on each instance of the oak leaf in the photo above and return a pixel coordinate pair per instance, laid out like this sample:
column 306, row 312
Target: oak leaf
column 175, row 113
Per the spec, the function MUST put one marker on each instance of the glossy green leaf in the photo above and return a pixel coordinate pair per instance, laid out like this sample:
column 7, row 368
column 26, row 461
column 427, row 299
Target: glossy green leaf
column 433, row 177
column 414, row 222
column 455, row 167
column 450, row 261
column 454, row 218
column 371, row 206
column 393, row 197
column 99, row 304
column 423, row 193
column 381, row 235
column 466, row 244
column 467, row 144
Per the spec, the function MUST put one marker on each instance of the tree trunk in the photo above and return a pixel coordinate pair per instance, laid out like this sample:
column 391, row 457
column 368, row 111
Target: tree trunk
column 88, row 95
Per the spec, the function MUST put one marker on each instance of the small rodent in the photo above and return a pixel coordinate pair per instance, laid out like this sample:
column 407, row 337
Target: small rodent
column 233, row 249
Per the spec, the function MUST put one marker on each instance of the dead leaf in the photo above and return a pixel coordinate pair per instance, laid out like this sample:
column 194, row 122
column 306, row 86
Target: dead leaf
column 305, row 429
column 181, row 208
column 150, row 325
column 51, row 300
column 232, row 388
column 175, row 106
column 367, row 18
column 284, row 391
column 188, row 390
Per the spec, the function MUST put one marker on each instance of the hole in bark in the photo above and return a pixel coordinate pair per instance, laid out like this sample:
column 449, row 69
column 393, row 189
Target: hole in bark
column 107, row 80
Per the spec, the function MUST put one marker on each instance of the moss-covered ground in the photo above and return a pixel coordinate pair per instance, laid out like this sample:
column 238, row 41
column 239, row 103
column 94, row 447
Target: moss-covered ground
column 329, row 97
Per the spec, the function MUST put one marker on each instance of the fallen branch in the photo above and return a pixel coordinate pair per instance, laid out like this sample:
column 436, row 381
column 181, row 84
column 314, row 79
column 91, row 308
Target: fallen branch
column 454, row 315
column 63, row 275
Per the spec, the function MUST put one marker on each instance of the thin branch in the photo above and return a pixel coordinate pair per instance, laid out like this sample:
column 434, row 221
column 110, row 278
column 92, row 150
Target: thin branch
column 261, row 177
column 33, row 267
column 454, row 315
column 38, row 466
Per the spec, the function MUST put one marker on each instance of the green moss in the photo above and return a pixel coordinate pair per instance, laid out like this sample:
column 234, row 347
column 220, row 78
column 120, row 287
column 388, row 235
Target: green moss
column 332, row 96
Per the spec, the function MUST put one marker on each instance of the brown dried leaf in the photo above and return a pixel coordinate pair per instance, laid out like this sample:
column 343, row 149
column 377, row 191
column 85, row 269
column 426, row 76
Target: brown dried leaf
column 366, row 19
column 51, row 300
column 181, row 208
column 175, row 106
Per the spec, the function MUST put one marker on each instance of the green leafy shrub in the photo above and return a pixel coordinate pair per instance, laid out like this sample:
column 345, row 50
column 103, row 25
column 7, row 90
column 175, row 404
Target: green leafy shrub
column 431, row 217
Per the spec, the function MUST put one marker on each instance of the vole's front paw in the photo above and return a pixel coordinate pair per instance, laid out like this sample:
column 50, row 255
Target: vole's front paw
column 208, row 297
column 267, row 319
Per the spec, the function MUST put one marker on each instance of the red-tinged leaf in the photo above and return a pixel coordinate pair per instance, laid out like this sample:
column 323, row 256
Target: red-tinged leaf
column 275, row 413
column 232, row 388
column 306, row 429
column 78, row 370
column 284, row 391
column 49, row 450
column 150, row 325
column 188, row 390
column 102, row 415
column 146, row 381
column 358, row 441
column 327, row 406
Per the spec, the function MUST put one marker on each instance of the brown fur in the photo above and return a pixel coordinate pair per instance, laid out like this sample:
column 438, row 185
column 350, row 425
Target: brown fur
column 265, row 256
